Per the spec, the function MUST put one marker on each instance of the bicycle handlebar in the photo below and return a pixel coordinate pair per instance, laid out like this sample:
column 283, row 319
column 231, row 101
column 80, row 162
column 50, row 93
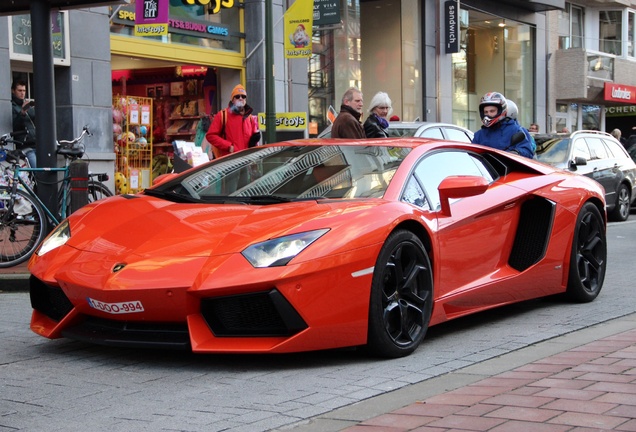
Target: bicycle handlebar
column 69, row 149
column 85, row 131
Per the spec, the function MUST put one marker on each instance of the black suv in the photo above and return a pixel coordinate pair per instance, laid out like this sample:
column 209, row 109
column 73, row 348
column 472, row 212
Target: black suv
column 599, row 156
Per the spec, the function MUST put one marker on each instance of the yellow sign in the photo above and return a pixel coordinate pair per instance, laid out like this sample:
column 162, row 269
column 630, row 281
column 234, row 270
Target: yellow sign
column 151, row 29
column 288, row 121
column 218, row 4
column 298, row 23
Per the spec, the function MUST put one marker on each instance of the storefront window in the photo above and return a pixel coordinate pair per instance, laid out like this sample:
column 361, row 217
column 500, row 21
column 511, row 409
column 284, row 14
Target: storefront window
column 591, row 117
column 610, row 32
column 496, row 54
column 190, row 25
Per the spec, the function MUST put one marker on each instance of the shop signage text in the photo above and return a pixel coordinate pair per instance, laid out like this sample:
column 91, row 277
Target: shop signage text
column 286, row 121
column 22, row 38
column 200, row 28
column 620, row 111
column 620, row 93
column 151, row 17
column 452, row 26
column 326, row 12
column 218, row 4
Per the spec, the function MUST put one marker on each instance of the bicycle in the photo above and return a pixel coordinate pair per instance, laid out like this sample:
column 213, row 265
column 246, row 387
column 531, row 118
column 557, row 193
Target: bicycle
column 24, row 218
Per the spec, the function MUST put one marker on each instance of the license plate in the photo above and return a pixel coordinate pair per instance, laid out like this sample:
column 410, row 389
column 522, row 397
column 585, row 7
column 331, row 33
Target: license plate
column 116, row 308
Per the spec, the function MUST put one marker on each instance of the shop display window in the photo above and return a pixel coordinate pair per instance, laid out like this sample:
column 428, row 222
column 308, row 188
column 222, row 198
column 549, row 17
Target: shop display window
column 133, row 138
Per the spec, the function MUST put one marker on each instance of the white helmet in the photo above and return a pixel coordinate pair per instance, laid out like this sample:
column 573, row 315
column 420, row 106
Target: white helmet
column 497, row 100
column 513, row 111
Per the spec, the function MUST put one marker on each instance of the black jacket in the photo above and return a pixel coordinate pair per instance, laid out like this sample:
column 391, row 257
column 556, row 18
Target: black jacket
column 373, row 129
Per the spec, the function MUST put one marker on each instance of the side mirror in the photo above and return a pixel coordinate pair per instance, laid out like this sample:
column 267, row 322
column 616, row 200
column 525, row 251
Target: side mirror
column 459, row 187
column 578, row 161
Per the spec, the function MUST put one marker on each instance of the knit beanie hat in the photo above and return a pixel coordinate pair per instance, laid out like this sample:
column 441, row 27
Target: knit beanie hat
column 238, row 90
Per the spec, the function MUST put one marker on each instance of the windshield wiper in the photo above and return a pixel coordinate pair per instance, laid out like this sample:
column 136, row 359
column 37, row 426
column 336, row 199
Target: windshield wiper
column 171, row 196
column 264, row 199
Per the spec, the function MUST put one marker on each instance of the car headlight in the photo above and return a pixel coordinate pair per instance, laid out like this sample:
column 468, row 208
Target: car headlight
column 279, row 251
column 60, row 235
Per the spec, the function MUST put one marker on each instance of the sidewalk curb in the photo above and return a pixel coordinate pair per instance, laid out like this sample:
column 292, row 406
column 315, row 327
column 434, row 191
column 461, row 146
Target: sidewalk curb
column 352, row 415
column 14, row 282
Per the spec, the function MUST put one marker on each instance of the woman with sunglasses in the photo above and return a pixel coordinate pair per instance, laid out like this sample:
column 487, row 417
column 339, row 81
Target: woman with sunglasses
column 377, row 124
column 234, row 128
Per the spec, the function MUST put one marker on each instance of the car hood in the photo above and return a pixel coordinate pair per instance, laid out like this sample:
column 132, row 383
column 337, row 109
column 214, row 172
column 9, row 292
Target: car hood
column 147, row 226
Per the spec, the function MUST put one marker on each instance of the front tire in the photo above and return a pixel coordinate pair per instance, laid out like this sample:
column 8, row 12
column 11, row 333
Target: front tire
column 588, row 260
column 401, row 296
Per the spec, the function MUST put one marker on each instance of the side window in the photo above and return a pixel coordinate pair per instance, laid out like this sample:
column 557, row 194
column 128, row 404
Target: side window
column 597, row 149
column 433, row 132
column 457, row 135
column 615, row 149
column 436, row 167
column 581, row 149
column 414, row 194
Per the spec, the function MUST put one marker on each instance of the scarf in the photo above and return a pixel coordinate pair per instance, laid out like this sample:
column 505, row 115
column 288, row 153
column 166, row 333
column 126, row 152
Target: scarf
column 382, row 121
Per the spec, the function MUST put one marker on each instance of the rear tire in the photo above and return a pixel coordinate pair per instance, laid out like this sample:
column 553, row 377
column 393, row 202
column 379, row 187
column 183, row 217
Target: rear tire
column 588, row 260
column 621, row 209
column 401, row 296
column 23, row 226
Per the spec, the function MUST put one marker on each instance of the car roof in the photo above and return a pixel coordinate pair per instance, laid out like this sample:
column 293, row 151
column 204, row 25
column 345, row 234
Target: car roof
column 412, row 125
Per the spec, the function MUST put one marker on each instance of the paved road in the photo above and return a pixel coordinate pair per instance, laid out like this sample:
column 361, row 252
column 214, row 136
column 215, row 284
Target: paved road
column 70, row 386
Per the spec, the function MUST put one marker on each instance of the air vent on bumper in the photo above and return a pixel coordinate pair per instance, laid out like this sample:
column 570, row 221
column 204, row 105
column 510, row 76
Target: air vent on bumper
column 256, row 314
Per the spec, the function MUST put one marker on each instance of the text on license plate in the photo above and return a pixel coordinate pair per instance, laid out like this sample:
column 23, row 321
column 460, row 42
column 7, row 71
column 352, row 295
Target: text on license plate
column 116, row 308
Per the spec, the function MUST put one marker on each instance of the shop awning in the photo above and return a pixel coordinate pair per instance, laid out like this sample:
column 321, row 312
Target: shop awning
column 14, row 7
column 537, row 5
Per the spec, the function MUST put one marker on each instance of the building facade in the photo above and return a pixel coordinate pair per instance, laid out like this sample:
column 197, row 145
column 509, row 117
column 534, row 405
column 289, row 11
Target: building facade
column 593, row 66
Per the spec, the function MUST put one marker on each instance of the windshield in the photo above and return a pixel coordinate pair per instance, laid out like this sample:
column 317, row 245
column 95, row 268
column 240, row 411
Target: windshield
column 272, row 174
column 553, row 151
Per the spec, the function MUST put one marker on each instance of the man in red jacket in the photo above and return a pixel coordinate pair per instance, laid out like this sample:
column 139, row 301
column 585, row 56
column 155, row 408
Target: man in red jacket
column 234, row 128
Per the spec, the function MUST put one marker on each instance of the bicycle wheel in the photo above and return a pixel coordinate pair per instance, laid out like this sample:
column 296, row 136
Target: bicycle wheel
column 22, row 227
column 97, row 191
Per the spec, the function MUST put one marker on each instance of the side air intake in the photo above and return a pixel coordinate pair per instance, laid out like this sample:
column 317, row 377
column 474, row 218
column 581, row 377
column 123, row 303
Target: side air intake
column 533, row 233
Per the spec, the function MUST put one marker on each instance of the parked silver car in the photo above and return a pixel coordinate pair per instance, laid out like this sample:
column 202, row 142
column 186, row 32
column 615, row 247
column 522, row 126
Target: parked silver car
column 597, row 155
column 444, row 131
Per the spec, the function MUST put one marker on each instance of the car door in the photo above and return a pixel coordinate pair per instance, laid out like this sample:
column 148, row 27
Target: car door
column 602, row 168
column 475, row 240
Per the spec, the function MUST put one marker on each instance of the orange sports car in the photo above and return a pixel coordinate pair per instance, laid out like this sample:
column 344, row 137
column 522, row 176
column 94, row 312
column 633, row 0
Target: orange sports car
column 317, row 244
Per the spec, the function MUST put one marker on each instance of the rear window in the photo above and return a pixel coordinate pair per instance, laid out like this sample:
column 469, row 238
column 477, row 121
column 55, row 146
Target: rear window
column 617, row 149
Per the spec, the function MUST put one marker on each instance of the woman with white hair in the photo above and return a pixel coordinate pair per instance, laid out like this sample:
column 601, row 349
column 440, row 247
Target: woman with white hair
column 377, row 123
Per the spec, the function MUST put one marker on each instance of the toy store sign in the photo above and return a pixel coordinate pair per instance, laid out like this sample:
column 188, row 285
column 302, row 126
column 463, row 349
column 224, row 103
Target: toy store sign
column 288, row 121
column 620, row 93
column 126, row 16
column 217, row 4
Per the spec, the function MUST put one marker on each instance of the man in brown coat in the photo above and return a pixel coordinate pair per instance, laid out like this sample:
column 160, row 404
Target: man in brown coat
column 347, row 124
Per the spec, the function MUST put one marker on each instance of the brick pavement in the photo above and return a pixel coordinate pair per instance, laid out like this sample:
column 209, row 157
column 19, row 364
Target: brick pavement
column 588, row 388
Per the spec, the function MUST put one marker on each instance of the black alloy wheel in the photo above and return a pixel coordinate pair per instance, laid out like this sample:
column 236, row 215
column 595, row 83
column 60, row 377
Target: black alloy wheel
column 401, row 296
column 588, row 260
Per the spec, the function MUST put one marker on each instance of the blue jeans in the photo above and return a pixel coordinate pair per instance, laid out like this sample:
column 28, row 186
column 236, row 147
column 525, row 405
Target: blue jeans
column 30, row 155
